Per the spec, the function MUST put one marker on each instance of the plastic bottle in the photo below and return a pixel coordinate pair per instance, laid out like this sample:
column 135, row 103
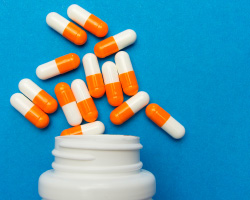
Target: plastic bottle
column 97, row 167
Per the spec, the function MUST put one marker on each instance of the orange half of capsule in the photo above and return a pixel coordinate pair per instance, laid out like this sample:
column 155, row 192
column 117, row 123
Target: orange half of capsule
column 95, row 85
column 88, row 110
column 96, row 26
column 75, row 34
column 67, row 63
column 77, row 130
column 129, row 83
column 106, row 47
column 64, row 94
column 114, row 93
column 37, row 117
column 121, row 114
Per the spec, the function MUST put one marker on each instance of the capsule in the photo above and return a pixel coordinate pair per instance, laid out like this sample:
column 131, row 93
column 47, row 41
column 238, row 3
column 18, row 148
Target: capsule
column 126, row 73
column 93, row 75
column 30, row 111
column 58, row 66
column 66, row 28
column 84, row 101
column 67, row 101
column 114, row 43
column 112, row 84
column 37, row 95
column 87, row 20
column 164, row 120
column 126, row 110
column 94, row 128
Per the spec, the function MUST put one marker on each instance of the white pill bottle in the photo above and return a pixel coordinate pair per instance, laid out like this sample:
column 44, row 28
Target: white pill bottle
column 97, row 167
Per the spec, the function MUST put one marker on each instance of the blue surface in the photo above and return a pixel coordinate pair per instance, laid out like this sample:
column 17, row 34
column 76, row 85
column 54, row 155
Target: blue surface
column 192, row 57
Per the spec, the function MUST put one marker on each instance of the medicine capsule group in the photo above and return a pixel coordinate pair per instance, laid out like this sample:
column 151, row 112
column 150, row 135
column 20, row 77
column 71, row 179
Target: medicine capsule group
column 58, row 66
column 87, row 20
column 66, row 28
column 127, row 109
column 84, row 101
column 164, row 120
column 94, row 128
column 115, row 43
column 93, row 75
column 112, row 84
column 37, row 95
column 67, row 101
column 30, row 111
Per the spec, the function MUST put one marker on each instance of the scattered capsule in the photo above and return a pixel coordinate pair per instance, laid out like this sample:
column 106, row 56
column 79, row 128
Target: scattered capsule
column 67, row 101
column 84, row 101
column 114, row 43
column 164, row 120
column 93, row 75
column 126, row 73
column 37, row 95
column 66, row 28
column 112, row 84
column 30, row 111
column 58, row 66
column 94, row 128
column 87, row 20
column 126, row 110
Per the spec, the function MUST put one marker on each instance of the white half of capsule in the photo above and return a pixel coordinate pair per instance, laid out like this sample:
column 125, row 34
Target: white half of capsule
column 138, row 101
column 94, row 128
column 80, row 90
column 174, row 128
column 90, row 64
column 109, row 72
column 47, row 70
column 29, row 88
column 78, row 14
column 123, row 62
column 57, row 22
column 125, row 38
column 72, row 113
column 21, row 103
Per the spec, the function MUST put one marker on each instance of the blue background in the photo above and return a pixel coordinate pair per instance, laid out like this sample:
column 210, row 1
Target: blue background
column 191, row 56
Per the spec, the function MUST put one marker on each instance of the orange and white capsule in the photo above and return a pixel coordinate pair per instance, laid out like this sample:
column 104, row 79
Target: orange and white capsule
column 37, row 95
column 126, row 73
column 114, row 43
column 84, row 101
column 30, row 111
column 87, row 20
column 129, row 108
column 67, row 101
column 112, row 84
column 164, row 120
column 58, row 66
column 94, row 128
column 66, row 28
column 93, row 75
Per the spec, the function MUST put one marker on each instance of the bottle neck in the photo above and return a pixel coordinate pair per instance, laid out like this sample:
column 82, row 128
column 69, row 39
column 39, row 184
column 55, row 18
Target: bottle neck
column 97, row 154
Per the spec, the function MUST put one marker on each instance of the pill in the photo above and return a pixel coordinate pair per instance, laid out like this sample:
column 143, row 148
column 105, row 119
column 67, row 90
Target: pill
column 94, row 128
column 58, row 66
column 30, row 111
column 84, row 101
column 126, row 73
column 93, row 75
column 66, row 28
column 164, row 120
column 37, row 95
column 87, row 20
column 67, row 101
column 112, row 84
column 130, row 107
column 114, row 43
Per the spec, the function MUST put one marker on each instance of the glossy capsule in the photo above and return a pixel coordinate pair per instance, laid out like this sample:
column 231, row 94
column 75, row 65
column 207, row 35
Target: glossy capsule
column 66, row 28
column 67, row 101
column 129, row 108
column 87, row 20
column 94, row 128
column 37, row 95
column 84, row 101
column 112, row 84
column 126, row 73
column 93, row 75
column 30, row 111
column 164, row 120
column 58, row 66
column 114, row 43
